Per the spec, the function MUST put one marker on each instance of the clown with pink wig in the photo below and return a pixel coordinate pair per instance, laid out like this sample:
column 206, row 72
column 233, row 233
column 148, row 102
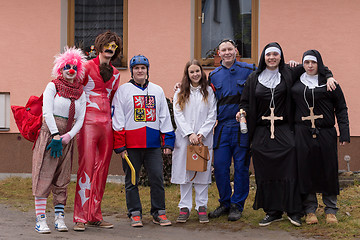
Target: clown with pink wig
column 64, row 106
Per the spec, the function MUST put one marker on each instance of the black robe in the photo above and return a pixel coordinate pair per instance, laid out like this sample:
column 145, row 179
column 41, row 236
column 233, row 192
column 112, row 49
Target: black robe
column 274, row 159
column 318, row 157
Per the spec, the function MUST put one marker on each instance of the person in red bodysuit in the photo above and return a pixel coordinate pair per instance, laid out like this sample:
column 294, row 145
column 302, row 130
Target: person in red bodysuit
column 95, row 139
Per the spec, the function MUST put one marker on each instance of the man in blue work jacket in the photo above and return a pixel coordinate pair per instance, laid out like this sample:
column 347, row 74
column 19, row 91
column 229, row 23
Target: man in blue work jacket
column 228, row 82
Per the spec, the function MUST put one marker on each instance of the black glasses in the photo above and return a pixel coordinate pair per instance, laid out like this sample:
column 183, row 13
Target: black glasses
column 227, row 40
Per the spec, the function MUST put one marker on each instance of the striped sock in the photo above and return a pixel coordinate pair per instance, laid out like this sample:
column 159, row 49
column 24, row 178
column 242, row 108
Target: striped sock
column 59, row 209
column 40, row 205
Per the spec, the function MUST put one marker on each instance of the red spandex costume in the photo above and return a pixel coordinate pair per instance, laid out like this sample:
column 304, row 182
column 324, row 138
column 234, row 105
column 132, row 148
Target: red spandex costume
column 95, row 144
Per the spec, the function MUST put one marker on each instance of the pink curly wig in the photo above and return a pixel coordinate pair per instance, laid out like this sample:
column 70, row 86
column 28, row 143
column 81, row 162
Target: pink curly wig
column 70, row 56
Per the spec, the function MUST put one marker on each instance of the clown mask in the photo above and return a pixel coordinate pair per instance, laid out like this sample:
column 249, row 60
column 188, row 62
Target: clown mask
column 69, row 72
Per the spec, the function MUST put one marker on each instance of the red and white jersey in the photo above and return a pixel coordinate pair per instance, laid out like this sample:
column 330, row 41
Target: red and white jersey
column 141, row 118
column 99, row 94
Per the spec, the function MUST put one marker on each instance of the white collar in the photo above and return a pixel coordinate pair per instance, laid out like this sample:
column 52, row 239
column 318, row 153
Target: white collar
column 311, row 81
column 270, row 78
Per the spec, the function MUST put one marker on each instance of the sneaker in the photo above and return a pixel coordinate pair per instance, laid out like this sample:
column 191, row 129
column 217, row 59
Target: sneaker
column 79, row 226
column 136, row 221
column 221, row 210
column 161, row 220
column 203, row 218
column 59, row 223
column 41, row 225
column 268, row 219
column 100, row 224
column 311, row 219
column 183, row 215
column 295, row 220
column 331, row 218
column 235, row 213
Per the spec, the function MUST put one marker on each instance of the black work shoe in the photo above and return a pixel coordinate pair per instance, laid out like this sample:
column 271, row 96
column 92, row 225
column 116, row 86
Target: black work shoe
column 268, row 219
column 295, row 220
column 221, row 210
column 235, row 213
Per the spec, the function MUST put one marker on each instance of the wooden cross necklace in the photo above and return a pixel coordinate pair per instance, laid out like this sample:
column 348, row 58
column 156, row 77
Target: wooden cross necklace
column 312, row 117
column 272, row 116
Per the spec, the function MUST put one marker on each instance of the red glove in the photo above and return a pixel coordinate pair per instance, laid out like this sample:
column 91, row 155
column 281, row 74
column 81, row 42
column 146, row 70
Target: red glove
column 65, row 138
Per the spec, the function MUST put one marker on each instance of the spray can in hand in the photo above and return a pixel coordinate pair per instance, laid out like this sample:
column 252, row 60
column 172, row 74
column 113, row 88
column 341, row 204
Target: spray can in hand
column 243, row 125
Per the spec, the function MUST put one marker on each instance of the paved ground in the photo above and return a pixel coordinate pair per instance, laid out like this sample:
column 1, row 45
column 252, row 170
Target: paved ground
column 20, row 225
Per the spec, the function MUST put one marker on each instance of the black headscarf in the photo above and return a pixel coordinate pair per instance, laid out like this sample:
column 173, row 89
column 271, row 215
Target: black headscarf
column 248, row 98
column 262, row 64
column 321, row 68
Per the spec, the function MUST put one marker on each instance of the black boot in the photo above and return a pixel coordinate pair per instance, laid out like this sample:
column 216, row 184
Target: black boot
column 235, row 213
column 221, row 210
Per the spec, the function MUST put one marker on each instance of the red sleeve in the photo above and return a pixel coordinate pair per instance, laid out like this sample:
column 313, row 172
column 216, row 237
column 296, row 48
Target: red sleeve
column 212, row 86
column 119, row 139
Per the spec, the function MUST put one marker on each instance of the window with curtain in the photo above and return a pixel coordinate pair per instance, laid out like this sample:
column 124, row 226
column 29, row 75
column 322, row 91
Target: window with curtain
column 220, row 19
column 92, row 17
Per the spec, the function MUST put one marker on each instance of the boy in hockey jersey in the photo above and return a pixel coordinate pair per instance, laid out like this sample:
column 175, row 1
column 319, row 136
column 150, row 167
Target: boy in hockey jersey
column 142, row 126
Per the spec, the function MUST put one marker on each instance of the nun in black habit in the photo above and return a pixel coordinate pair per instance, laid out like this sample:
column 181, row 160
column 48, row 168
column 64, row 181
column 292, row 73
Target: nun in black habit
column 267, row 92
column 316, row 136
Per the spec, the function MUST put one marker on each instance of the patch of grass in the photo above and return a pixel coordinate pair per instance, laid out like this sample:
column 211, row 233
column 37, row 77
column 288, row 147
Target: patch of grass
column 16, row 192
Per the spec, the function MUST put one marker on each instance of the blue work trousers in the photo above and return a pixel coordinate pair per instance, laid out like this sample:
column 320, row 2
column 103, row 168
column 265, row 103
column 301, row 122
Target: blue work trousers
column 231, row 144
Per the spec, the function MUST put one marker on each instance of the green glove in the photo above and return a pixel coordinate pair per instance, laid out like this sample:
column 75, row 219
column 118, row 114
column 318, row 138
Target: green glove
column 56, row 148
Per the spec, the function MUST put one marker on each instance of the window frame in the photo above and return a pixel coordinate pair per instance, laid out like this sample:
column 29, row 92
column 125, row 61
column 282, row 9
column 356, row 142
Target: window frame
column 71, row 29
column 5, row 115
column 254, row 33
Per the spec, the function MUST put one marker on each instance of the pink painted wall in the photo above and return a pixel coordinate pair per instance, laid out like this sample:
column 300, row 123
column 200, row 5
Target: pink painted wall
column 160, row 30
column 330, row 26
column 30, row 37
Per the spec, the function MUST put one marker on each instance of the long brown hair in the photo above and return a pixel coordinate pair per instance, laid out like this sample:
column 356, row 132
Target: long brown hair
column 184, row 94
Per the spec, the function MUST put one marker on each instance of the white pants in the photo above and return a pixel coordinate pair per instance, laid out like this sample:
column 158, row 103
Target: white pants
column 201, row 195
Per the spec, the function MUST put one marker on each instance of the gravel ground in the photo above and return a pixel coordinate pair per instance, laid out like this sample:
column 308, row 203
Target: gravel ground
column 15, row 224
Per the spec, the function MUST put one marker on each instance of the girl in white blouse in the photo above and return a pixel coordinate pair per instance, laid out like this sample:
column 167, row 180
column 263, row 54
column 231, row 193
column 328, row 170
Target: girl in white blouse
column 195, row 116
